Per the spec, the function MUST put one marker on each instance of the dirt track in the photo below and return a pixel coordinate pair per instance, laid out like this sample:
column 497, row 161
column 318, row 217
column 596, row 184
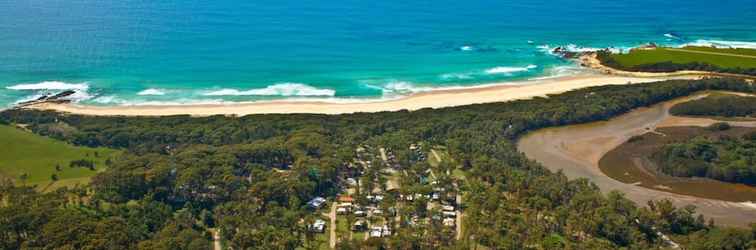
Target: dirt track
column 577, row 149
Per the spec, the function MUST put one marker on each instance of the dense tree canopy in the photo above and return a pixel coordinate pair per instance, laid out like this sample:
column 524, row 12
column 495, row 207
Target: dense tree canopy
column 251, row 176
column 725, row 159
column 718, row 105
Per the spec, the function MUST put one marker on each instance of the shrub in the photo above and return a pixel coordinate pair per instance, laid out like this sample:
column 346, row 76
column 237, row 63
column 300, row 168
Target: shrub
column 719, row 126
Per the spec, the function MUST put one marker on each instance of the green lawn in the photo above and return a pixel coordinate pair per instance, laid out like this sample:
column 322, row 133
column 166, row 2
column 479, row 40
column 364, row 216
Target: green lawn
column 37, row 156
column 738, row 51
column 725, row 58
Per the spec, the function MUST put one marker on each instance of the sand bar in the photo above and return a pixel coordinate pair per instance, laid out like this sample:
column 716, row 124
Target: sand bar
column 432, row 99
column 577, row 150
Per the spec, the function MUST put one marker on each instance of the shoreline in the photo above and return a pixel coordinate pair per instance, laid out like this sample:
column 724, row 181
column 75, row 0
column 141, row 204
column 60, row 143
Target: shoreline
column 441, row 98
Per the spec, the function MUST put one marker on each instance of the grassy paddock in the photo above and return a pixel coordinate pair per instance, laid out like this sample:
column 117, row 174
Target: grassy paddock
column 37, row 156
column 720, row 57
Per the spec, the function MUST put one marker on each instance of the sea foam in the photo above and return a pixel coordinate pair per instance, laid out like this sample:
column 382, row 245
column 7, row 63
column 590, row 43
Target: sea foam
column 393, row 88
column 281, row 89
column 672, row 36
column 548, row 49
column 457, row 76
column 43, row 88
column 50, row 85
column 722, row 44
column 509, row 70
column 152, row 92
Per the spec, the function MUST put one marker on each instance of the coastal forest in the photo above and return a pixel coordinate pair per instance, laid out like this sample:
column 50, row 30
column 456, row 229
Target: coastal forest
column 251, row 178
column 720, row 105
column 726, row 159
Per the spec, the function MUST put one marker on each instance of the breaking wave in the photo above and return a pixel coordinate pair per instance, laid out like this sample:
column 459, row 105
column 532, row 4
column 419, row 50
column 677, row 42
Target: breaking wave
column 152, row 92
column 509, row 70
column 722, row 44
column 43, row 88
column 559, row 71
column 281, row 89
column 457, row 76
column 108, row 99
column 672, row 36
column 50, row 85
column 393, row 88
column 548, row 49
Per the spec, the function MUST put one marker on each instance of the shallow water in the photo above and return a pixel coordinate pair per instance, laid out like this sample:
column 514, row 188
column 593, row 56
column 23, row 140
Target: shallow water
column 153, row 52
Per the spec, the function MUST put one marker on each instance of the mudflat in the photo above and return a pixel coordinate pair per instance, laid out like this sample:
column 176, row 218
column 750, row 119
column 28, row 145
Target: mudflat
column 632, row 162
column 576, row 150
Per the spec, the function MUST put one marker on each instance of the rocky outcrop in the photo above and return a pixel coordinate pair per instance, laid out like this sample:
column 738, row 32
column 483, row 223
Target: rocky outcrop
column 57, row 98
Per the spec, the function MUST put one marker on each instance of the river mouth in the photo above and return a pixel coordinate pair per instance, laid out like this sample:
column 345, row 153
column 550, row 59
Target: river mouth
column 632, row 163
column 577, row 151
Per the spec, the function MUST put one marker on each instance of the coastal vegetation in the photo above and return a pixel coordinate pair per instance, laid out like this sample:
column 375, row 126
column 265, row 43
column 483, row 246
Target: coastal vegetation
column 663, row 59
column 720, row 105
column 725, row 159
column 251, row 177
column 30, row 159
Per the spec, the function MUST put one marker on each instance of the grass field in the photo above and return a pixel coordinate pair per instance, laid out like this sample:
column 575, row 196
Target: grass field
column 720, row 57
column 37, row 156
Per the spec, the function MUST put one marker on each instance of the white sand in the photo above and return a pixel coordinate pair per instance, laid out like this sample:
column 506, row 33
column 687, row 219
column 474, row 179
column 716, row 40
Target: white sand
column 433, row 99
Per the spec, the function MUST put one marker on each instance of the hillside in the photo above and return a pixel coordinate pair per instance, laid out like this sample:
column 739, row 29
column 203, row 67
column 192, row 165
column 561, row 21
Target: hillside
column 30, row 159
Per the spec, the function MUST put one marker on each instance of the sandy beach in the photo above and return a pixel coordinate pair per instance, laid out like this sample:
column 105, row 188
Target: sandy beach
column 432, row 99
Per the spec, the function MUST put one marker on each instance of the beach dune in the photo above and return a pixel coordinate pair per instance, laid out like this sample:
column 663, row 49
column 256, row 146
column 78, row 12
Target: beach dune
column 432, row 99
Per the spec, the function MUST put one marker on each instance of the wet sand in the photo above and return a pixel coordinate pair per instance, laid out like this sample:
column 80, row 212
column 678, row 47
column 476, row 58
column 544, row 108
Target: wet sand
column 432, row 99
column 577, row 150
column 633, row 162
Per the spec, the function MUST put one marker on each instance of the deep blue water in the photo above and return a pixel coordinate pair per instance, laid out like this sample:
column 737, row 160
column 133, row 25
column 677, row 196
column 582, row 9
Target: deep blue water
column 171, row 51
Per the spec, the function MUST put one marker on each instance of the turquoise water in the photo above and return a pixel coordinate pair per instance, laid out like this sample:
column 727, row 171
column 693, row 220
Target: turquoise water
column 160, row 52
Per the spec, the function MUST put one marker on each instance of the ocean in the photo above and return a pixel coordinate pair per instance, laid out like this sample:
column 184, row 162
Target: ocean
column 136, row 52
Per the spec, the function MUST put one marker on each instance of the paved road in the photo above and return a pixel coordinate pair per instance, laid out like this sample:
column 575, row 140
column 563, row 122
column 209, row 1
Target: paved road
column 459, row 218
column 710, row 53
column 438, row 158
column 332, row 216
column 216, row 239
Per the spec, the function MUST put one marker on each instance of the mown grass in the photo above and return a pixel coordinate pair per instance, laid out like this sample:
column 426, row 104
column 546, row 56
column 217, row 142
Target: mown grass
column 737, row 51
column 651, row 56
column 36, row 156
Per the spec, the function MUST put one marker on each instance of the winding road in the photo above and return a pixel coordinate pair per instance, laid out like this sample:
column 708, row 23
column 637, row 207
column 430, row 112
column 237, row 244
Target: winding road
column 577, row 149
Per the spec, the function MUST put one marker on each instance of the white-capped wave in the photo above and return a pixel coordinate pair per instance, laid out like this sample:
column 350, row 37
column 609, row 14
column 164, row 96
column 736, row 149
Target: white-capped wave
column 152, row 91
column 466, row 48
column 49, row 85
column 404, row 87
column 457, row 76
column 722, row 44
column 671, row 36
column 559, row 71
column 108, row 99
column 509, row 70
column 281, row 89
column 548, row 49
column 392, row 88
